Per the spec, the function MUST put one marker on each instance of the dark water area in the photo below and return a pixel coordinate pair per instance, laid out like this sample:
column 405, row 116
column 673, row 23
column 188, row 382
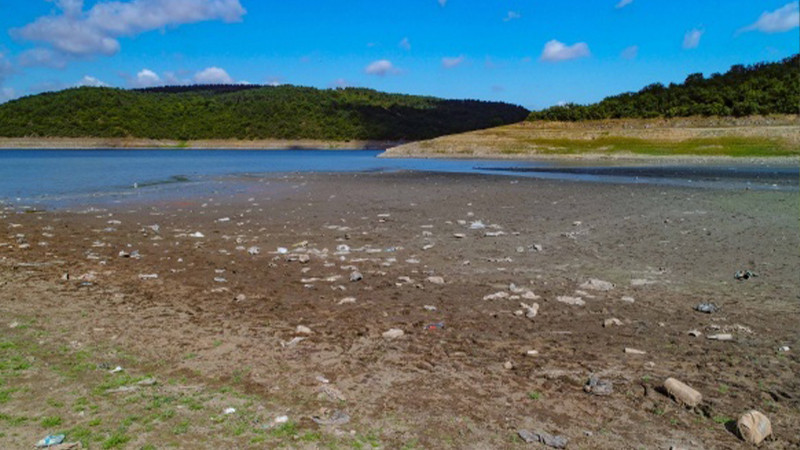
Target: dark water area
column 55, row 178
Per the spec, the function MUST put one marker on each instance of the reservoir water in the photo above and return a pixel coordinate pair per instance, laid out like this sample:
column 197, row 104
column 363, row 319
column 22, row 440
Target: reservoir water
column 53, row 178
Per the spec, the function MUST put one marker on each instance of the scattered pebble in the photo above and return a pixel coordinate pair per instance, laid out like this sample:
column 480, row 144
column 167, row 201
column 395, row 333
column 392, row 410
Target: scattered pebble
column 394, row 333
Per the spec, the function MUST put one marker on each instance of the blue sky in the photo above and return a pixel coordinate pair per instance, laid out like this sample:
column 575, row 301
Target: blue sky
column 530, row 52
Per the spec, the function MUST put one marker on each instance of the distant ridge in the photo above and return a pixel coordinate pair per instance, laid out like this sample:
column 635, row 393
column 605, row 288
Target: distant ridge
column 247, row 112
column 759, row 89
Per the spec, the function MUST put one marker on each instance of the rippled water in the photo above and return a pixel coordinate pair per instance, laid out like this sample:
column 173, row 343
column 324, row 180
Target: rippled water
column 55, row 177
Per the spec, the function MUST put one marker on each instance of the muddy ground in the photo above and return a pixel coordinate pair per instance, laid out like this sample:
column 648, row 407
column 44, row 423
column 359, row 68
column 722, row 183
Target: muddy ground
column 216, row 327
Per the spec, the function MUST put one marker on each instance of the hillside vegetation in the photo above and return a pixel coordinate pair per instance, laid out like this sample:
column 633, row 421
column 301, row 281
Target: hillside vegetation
column 247, row 112
column 760, row 89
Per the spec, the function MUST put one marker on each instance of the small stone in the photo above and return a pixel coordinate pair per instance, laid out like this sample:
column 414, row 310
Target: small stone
column 508, row 365
column 302, row 329
column 785, row 348
column 496, row 296
column 429, row 308
column 633, row 351
column 229, row 411
column 394, row 333
column 459, row 235
column 435, row 280
column 628, row 299
column 356, row 276
column 612, row 322
column 303, row 259
column 197, row 234
column 530, row 311
column 532, row 352
column 346, row 300
column 695, row 333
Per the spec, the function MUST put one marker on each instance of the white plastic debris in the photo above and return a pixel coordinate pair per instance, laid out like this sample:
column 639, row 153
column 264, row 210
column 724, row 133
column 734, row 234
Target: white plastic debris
column 254, row 250
column 116, row 370
column 229, row 411
column 394, row 333
column 197, row 234
column 575, row 301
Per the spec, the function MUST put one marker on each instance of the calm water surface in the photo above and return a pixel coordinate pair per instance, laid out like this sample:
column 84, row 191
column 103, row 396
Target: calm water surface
column 50, row 178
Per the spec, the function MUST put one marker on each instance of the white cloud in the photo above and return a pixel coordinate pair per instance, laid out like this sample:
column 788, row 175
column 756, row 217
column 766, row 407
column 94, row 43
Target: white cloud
column 623, row 3
column 511, row 16
column 213, row 75
column 76, row 32
column 450, row 62
column 692, row 38
column 405, row 44
column 381, row 67
column 42, row 57
column 555, row 51
column 90, row 81
column 778, row 21
column 7, row 94
column 5, row 67
column 147, row 78
column 630, row 53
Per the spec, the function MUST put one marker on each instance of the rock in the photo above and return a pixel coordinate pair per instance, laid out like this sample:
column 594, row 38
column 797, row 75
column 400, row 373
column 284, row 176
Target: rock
column 394, row 333
column 496, row 296
column 281, row 419
column 530, row 311
column 597, row 386
column 508, row 365
column 429, row 308
column 575, row 301
column 612, row 322
column 253, row 250
column 597, row 285
column 303, row 259
column 302, row 329
column 628, row 299
column 459, row 235
column 197, row 234
column 537, row 247
column 477, row 225
column 529, row 295
column 633, row 351
column 332, row 393
column 682, row 392
column 337, row 417
column 785, row 348
column 695, row 333
column 543, row 438
column 754, row 427
column 720, row 337
column 356, row 276
column 435, row 280
column 346, row 300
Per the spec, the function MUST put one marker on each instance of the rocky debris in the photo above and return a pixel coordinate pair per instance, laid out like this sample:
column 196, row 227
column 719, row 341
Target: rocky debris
column 435, row 280
column 597, row 285
column 754, row 427
column 530, row 310
column 694, row 333
column 597, row 386
column 497, row 296
column 394, row 333
column 303, row 259
column 333, row 418
column 574, row 301
column 612, row 322
column 543, row 438
column 682, row 393
column 356, row 276
column 633, row 351
column 707, row 308
column 302, row 329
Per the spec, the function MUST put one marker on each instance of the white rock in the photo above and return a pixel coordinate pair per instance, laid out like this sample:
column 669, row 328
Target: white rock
column 394, row 333
column 612, row 322
column 695, row 333
column 229, row 411
column 197, row 234
column 459, row 235
column 530, row 311
column 508, row 365
column 628, row 299
column 435, row 280
column 532, row 352
column 433, row 308
column 496, row 296
column 253, row 250
column 597, row 285
column 356, row 276
column 575, row 301
column 302, row 329
column 347, row 300
column 529, row 295
column 785, row 348
column 281, row 419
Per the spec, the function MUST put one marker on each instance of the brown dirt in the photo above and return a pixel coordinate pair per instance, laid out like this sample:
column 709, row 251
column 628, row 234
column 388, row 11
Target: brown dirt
column 668, row 248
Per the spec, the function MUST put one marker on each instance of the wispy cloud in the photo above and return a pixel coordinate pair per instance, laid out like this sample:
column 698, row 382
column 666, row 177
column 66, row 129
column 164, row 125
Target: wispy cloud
column 213, row 75
column 75, row 32
column 630, row 53
column 778, row 21
column 405, row 44
column 623, row 3
column 512, row 15
column 90, row 81
column 555, row 51
column 381, row 68
column 455, row 61
column 42, row 57
column 442, row 3
column 692, row 38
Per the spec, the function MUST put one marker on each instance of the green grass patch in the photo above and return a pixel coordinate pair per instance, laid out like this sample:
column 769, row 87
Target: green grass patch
column 5, row 395
column 50, row 422
column 286, row 430
column 722, row 419
column 534, row 395
column 116, row 440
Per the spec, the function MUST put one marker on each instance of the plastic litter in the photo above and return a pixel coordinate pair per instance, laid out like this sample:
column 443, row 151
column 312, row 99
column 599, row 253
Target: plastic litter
column 434, row 326
column 754, row 427
column 597, row 386
column 682, row 392
column 50, row 440
column 744, row 275
column 707, row 308
column 229, row 411
column 337, row 417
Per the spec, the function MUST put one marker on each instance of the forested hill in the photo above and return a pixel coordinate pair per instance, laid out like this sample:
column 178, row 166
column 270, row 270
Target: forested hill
column 765, row 88
column 247, row 112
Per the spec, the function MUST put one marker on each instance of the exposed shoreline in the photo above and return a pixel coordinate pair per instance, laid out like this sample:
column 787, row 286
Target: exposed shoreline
column 89, row 143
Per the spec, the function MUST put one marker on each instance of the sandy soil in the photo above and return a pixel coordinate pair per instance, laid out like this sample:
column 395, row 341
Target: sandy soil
column 541, row 139
column 469, row 384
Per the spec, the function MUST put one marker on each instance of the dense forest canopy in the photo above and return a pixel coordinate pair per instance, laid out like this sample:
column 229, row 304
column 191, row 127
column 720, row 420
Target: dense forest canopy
column 247, row 112
column 764, row 88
